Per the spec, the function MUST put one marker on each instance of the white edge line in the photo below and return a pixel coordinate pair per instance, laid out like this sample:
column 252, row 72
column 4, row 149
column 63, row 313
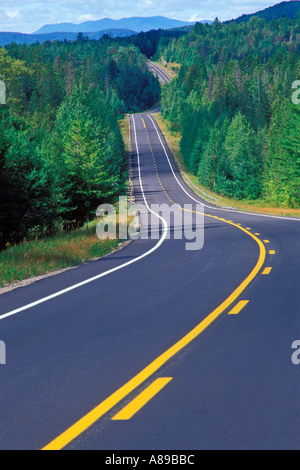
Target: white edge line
column 106, row 273
column 162, row 71
column 157, row 70
column 210, row 207
column 161, row 78
column 167, row 156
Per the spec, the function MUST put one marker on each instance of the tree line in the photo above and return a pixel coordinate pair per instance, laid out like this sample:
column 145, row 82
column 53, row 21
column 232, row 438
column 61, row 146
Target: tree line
column 61, row 150
column 232, row 103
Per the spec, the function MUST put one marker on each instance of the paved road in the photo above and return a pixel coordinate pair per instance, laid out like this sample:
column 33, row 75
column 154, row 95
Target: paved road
column 152, row 330
column 160, row 73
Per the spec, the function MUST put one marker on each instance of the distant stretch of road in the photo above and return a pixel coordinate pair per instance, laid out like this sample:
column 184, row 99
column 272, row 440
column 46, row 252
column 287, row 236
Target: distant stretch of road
column 160, row 73
column 157, row 347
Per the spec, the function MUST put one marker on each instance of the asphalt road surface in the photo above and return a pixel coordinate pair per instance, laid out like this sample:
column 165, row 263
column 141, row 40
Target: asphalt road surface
column 160, row 73
column 159, row 346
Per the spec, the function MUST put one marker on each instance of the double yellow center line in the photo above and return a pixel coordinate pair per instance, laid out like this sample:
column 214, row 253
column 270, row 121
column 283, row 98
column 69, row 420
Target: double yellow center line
column 115, row 398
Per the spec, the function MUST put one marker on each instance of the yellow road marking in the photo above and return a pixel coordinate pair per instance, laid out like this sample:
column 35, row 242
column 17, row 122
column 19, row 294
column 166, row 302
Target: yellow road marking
column 266, row 241
column 267, row 270
column 236, row 310
column 142, row 399
column 272, row 252
column 84, row 423
column 99, row 411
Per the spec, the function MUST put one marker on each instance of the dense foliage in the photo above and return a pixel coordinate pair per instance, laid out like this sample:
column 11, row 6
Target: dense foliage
column 288, row 8
column 232, row 102
column 149, row 41
column 61, row 150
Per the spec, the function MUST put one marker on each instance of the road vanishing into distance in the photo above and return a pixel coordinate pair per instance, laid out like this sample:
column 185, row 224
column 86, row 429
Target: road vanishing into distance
column 160, row 347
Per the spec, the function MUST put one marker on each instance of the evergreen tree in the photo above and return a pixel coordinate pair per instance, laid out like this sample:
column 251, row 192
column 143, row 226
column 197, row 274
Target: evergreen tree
column 282, row 165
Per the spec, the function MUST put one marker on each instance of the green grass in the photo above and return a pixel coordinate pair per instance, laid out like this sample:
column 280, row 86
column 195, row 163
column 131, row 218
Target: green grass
column 35, row 258
column 124, row 125
column 30, row 259
column 171, row 68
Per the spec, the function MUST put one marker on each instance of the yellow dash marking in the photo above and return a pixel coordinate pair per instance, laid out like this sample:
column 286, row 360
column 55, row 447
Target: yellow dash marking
column 90, row 418
column 94, row 415
column 248, row 228
column 267, row 271
column 257, row 234
column 142, row 399
column 236, row 310
column 272, row 252
column 266, row 241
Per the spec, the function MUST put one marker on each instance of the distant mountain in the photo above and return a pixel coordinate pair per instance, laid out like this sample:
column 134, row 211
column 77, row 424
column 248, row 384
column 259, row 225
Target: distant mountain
column 136, row 24
column 191, row 26
column 289, row 9
column 21, row 38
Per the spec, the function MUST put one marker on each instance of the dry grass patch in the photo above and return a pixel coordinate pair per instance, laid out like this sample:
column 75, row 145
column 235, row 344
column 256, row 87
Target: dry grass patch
column 35, row 258
column 124, row 125
column 171, row 68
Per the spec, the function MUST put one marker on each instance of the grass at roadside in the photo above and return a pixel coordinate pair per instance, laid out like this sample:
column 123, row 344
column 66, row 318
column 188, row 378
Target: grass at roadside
column 124, row 125
column 260, row 206
column 171, row 68
column 39, row 257
column 44, row 256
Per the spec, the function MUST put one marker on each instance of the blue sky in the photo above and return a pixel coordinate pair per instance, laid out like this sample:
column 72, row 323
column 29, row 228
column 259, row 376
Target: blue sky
column 28, row 16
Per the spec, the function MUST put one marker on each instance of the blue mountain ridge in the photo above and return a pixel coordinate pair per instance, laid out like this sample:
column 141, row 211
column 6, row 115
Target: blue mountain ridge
column 22, row 38
column 136, row 24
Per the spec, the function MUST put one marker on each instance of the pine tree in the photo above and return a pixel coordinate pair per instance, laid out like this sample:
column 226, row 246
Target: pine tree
column 282, row 165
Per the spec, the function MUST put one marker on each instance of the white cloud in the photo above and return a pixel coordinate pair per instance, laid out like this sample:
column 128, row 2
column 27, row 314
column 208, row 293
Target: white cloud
column 87, row 17
column 16, row 15
column 13, row 14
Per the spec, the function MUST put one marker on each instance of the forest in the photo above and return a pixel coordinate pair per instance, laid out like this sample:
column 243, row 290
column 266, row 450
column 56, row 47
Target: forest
column 61, row 150
column 232, row 104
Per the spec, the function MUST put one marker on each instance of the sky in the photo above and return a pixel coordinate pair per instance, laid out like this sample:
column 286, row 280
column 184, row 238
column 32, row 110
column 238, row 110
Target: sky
column 30, row 15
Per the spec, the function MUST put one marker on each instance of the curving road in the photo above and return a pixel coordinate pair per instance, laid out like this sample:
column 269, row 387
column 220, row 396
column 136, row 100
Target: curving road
column 159, row 72
column 157, row 346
